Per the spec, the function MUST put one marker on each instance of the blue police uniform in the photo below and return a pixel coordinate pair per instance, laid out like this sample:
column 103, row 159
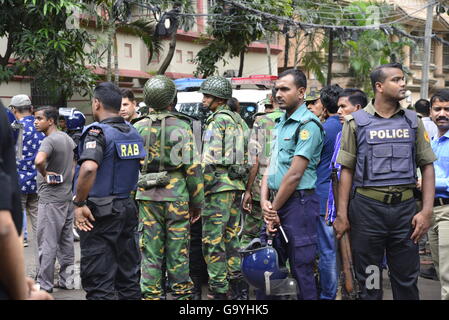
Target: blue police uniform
column 300, row 134
column 110, row 259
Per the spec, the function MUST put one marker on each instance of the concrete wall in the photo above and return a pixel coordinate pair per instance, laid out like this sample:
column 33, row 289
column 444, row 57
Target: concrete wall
column 8, row 90
column 255, row 63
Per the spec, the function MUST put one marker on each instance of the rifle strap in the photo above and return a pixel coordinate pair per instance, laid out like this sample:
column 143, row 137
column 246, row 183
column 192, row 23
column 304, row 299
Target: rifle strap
column 147, row 146
column 161, row 156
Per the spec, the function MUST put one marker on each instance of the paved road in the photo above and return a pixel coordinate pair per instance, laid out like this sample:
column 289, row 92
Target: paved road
column 429, row 289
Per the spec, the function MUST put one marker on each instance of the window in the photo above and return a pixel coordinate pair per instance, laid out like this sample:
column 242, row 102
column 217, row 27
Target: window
column 417, row 52
column 178, row 56
column 446, row 53
column 190, row 57
column 128, row 50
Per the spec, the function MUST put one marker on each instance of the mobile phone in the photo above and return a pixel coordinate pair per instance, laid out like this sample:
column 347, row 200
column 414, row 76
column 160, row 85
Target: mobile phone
column 54, row 178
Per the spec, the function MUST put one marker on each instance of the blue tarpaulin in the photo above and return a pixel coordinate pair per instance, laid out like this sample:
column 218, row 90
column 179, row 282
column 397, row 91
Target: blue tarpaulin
column 188, row 84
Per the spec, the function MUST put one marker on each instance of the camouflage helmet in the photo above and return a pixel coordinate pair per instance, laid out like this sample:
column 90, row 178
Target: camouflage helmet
column 159, row 92
column 218, row 87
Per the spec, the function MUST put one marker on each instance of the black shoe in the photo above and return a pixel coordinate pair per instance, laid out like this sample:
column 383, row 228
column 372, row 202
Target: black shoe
column 217, row 296
column 197, row 284
column 239, row 289
column 429, row 273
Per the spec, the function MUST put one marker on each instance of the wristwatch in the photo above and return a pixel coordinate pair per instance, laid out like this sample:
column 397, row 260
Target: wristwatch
column 79, row 204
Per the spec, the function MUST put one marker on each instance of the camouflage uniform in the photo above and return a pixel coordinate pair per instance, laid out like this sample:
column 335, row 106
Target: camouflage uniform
column 164, row 210
column 261, row 137
column 221, row 215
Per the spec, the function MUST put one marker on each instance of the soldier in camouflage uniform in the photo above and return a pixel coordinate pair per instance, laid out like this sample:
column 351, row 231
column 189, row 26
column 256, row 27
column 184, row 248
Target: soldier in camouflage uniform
column 223, row 151
column 167, row 198
column 260, row 146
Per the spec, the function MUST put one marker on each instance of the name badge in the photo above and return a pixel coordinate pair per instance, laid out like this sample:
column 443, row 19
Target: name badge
column 130, row 150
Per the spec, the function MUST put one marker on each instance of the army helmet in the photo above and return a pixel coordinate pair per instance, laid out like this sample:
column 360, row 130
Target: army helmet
column 218, row 87
column 159, row 92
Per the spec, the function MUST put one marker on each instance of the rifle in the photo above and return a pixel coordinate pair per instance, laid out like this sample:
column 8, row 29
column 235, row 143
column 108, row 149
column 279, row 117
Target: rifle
column 350, row 288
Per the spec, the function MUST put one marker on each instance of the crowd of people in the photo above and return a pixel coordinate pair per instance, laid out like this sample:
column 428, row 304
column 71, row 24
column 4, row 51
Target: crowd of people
column 160, row 213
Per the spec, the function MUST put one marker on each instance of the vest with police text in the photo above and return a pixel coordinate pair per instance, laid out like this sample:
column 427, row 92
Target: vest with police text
column 385, row 149
column 119, row 171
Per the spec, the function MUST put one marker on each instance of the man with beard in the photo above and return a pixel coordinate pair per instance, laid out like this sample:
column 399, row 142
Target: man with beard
column 287, row 194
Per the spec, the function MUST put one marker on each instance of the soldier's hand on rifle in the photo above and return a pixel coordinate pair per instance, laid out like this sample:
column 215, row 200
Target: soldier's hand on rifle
column 82, row 217
column 195, row 214
column 341, row 225
column 247, row 201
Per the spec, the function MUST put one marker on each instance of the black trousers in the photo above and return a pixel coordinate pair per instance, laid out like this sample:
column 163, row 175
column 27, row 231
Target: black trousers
column 198, row 267
column 376, row 229
column 110, row 259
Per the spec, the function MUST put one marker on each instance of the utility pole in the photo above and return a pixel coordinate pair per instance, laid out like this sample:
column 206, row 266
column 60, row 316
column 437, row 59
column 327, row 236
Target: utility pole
column 427, row 52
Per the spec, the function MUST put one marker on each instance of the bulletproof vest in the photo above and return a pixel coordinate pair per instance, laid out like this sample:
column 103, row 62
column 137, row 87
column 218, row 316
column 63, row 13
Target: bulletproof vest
column 385, row 149
column 118, row 173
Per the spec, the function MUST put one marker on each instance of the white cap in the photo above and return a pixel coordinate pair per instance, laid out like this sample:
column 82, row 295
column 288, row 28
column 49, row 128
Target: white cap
column 20, row 100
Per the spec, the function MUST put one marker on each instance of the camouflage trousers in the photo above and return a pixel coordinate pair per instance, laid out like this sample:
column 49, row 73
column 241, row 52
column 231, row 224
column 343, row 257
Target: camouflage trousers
column 221, row 217
column 252, row 225
column 164, row 238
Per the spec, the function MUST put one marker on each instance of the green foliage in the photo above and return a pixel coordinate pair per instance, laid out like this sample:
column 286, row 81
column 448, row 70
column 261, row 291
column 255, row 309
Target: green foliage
column 44, row 47
column 364, row 49
column 232, row 30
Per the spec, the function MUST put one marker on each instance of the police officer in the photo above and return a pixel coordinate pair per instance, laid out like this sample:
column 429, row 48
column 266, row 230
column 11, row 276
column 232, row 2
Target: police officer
column 315, row 105
column 381, row 147
column 222, row 149
column 75, row 124
column 290, row 179
column 110, row 150
column 165, row 207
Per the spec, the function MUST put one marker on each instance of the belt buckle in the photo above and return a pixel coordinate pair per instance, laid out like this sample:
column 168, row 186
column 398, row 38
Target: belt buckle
column 393, row 198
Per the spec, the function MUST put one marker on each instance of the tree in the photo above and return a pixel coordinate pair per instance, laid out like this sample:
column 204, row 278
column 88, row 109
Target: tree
column 232, row 29
column 117, row 16
column 364, row 49
column 184, row 22
column 44, row 45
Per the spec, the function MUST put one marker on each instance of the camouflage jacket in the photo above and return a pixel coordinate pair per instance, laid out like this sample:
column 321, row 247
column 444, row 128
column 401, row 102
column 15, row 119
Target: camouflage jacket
column 260, row 144
column 181, row 160
column 223, row 146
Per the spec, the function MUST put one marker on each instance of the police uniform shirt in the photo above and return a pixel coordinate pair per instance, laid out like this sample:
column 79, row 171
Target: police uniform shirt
column 347, row 155
column 309, row 145
column 95, row 142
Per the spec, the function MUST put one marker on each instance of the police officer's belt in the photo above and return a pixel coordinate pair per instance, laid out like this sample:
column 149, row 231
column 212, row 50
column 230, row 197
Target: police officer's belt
column 386, row 197
column 296, row 193
column 440, row 202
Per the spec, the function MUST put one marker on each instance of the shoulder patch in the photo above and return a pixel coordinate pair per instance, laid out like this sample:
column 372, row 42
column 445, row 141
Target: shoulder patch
column 304, row 134
column 426, row 136
column 95, row 131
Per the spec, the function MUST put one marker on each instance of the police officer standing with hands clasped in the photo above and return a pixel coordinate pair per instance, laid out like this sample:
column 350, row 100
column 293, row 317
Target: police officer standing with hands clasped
column 381, row 147
column 110, row 150
column 290, row 181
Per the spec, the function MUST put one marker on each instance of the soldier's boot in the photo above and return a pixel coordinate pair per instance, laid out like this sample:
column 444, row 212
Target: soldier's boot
column 197, row 284
column 239, row 289
column 216, row 295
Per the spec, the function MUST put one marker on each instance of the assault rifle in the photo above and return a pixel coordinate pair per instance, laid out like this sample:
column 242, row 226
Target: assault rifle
column 350, row 287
